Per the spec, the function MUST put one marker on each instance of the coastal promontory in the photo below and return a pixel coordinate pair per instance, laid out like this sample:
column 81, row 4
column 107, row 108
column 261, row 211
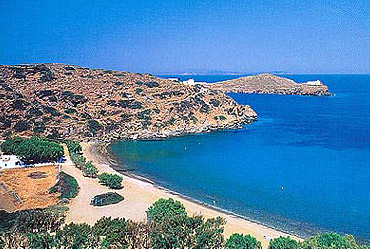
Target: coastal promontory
column 270, row 84
column 65, row 101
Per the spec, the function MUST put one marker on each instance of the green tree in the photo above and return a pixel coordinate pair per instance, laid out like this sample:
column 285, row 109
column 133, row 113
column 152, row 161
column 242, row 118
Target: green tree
column 114, row 231
column 331, row 241
column 40, row 241
column 73, row 146
column 172, row 228
column 208, row 234
column 283, row 243
column 77, row 236
column 163, row 209
column 240, row 241
column 90, row 170
column 113, row 181
column 33, row 150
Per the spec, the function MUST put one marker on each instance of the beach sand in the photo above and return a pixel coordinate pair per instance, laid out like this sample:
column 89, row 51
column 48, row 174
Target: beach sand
column 139, row 195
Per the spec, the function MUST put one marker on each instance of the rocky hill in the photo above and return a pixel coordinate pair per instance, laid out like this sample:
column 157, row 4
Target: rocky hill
column 58, row 100
column 270, row 84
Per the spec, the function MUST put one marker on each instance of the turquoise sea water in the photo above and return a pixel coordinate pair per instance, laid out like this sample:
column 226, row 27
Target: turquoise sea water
column 303, row 167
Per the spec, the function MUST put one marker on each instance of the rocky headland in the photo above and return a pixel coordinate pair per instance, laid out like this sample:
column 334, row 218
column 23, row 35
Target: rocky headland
column 270, row 84
column 65, row 101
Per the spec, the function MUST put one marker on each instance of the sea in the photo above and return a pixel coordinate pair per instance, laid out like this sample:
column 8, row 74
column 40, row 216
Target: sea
column 303, row 167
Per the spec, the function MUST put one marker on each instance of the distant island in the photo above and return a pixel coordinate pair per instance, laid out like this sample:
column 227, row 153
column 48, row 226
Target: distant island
column 270, row 84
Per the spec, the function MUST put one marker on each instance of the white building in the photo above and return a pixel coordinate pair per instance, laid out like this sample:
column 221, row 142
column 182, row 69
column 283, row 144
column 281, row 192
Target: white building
column 10, row 162
column 314, row 83
column 189, row 82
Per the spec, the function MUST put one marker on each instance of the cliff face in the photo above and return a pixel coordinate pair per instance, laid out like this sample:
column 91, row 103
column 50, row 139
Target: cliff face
column 74, row 102
column 270, row 84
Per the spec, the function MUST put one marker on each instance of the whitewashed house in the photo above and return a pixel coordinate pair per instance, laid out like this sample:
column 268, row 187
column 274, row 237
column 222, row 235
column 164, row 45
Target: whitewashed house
column 10, row 162
column 189, row 82
column 314, row 83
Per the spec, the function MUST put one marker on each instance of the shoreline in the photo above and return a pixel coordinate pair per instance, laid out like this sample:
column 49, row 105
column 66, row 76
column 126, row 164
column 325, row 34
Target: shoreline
column 100, row 150
column 140, row 193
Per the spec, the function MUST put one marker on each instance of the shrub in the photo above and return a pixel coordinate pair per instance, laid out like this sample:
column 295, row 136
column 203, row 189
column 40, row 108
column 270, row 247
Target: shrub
column 21, row 126
column 220, row 117
column 53, row 112
column 70, row 110
column 90, row 170
column 151, row 84
column 106, row 199
column 39, row 128
column 283, row 243
column 73, row 146
column 34, row 111
column 126, row 117
column 112, row 102
column 19, row 104
column 94, row 126
column 240, row 241
column 204, row 108
column 125, row 103
column 67, row 186
column 18, row 73
column 214, row 102
column 5, row 123
column 78, row 159
column 113, row 181
column 119, row 74
column 47, row 75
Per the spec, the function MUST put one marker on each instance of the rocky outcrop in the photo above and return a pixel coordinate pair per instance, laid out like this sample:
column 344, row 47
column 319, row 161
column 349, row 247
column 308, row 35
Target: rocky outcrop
column 270, row 84
column 67, row 101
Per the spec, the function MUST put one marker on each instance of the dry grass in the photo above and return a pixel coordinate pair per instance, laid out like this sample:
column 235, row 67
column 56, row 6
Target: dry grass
column 33, row 191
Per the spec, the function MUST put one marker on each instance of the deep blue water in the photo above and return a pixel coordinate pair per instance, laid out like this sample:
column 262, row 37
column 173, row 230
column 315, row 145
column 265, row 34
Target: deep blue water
column 316, row 148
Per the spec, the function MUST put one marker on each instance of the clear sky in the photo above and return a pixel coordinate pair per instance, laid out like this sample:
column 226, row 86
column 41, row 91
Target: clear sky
column 298, row 36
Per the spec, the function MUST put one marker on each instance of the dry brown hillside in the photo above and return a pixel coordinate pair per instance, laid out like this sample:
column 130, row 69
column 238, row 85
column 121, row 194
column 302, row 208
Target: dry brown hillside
column 75, row 102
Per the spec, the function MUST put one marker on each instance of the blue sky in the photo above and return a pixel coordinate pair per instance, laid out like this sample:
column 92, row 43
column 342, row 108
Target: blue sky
column 180, row 35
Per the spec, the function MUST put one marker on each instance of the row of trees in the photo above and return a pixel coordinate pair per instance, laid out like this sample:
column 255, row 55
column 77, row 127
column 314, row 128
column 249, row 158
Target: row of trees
column 75, row 152
column 112, row 181
column 33, row 150
column 168, row 226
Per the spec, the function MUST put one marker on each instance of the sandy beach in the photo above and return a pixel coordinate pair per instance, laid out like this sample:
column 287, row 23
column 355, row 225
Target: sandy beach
column 139, row 195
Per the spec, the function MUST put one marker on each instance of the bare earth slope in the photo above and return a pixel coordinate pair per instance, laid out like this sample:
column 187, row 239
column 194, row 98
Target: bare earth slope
column 270, row 84
column 75, row 102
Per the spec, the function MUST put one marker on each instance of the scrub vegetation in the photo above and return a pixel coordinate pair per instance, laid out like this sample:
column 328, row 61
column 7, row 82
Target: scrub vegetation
column 169, row 226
